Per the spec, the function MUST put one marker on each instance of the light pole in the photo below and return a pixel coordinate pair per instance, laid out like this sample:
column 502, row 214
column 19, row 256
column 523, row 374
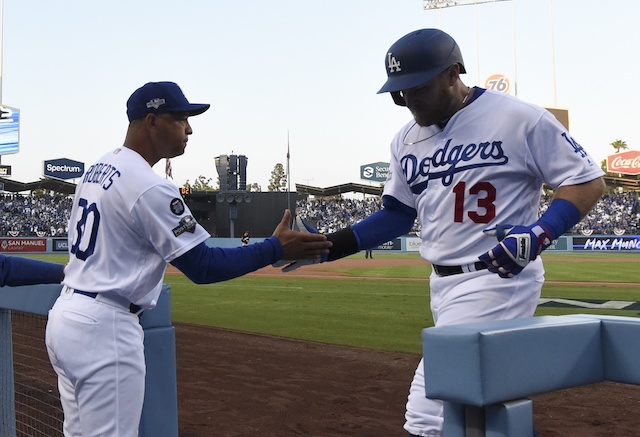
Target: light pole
column 441, row 4
column 1, row 47
column 553, row 56
column 1, row 43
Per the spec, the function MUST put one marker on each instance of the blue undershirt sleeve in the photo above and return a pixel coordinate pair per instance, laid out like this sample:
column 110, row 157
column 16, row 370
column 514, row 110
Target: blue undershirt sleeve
column 393, row 220
column 559, row 218
column 16, row 271
column 206, row 265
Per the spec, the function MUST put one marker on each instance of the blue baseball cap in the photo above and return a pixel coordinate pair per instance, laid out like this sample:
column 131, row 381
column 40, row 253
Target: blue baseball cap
column 160, row 97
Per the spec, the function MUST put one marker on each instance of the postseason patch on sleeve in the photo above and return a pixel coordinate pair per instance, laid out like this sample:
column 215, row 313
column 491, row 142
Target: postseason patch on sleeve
column 187, row 224
column 176, row 206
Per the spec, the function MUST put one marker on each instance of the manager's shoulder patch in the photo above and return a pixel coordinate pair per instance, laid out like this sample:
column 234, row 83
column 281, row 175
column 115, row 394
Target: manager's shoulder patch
column 177, row 206
column 187, row 224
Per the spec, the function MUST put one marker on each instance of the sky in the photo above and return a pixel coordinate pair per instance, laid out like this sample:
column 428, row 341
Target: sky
column 298, row 74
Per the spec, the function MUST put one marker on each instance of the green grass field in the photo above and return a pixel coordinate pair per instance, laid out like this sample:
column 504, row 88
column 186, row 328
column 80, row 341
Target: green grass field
column 385, row 314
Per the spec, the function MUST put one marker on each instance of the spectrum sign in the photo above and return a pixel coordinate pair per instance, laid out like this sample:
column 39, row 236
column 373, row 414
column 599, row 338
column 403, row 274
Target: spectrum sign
column 63, row 168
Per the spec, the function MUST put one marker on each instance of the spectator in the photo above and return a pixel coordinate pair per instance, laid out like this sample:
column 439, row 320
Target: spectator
column 30, row 215
column 47, row 215
column 615, row 212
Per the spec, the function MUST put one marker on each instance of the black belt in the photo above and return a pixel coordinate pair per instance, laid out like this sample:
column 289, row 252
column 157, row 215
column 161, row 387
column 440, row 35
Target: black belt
column 133, row 308
column 456, row 270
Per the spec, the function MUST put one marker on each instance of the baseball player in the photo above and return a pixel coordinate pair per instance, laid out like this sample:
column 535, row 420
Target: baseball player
column 470, row 165
column 126, row 224
column 15, row 271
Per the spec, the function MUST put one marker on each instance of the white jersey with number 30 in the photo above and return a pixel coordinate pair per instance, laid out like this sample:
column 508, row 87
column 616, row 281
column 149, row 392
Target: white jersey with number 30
column 480, row 171
column 125, row 219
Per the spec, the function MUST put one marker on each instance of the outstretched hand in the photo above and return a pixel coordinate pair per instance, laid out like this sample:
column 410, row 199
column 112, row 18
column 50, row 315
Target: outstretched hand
column 298, row 243
column 518, row 245
column 289, row 264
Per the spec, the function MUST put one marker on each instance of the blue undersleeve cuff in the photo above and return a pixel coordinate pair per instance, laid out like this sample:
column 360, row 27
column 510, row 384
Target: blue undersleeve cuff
column 560, row 217
column 393, row 220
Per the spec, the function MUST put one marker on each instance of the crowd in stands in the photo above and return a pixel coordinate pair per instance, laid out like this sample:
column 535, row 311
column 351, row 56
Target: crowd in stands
column 47, row 215
column 34, row 216
column 615, row 213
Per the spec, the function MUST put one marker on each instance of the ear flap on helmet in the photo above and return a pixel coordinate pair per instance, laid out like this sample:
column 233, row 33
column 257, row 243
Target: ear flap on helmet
column 397, row 98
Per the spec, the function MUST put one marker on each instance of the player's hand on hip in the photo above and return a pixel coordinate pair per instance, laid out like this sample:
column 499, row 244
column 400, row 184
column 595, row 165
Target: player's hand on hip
column 301, row 245
column 518, row 245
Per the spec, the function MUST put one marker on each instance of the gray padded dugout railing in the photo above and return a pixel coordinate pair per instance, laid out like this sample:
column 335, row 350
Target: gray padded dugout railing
column 485, row 372
column 160, row 410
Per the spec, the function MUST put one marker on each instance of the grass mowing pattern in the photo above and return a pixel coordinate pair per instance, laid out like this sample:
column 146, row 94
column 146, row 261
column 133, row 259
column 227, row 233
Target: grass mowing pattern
column 378, row 313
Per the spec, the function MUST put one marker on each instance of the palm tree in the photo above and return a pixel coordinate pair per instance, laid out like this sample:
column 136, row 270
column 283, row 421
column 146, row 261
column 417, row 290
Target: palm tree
column 603, row 164
column 619, row 145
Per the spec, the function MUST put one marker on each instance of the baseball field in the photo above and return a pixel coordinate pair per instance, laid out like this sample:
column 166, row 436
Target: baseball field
column 330, row 349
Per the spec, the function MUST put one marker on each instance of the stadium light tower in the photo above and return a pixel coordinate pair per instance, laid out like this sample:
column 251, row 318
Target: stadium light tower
column 1, row 43
column 1, row 50
column 553, row 56
column 441, row 4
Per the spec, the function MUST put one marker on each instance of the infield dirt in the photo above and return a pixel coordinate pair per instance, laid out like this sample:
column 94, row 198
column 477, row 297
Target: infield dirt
column 235, row 384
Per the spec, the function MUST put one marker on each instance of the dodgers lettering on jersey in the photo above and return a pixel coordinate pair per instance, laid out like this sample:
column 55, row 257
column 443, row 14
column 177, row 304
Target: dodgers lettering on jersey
column 447, row 161
column 480, row 171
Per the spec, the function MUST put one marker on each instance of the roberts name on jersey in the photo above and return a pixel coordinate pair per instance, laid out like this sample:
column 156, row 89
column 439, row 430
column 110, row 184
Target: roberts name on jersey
column 103, row 174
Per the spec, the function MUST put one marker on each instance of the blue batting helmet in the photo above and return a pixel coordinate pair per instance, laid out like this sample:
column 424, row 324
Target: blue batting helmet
column 418, row 57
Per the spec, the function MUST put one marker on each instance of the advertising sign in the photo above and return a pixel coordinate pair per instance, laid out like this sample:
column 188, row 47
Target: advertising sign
column 562, row 115
column 413, row 244
column 9, row 130
column 625, row 162
column 375, row 172
column 5, row 170
column 561, row 243
column 23, row 245
column 608, row 243
column 60, row 245
column 63, row 168
column 390, row 245
column 498, row 82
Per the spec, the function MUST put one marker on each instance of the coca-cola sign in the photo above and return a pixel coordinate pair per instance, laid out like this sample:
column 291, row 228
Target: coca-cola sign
column 625, row 162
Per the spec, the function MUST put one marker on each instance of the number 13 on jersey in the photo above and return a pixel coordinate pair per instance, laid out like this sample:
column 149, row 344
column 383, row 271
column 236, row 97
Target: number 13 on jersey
column 485, row 195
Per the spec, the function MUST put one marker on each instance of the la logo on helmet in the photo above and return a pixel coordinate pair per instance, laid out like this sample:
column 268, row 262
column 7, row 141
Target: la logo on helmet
column 392, row 63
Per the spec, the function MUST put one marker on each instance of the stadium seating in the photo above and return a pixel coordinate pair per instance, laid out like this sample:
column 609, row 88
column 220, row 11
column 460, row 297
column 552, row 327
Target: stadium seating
column 47, row 215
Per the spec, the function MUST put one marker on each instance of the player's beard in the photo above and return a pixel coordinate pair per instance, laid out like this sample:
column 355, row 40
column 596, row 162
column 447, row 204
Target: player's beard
column 427, row 115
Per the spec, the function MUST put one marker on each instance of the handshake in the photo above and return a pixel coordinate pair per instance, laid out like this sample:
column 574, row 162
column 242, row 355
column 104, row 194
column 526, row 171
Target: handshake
column 517, row 246
column 289, row 265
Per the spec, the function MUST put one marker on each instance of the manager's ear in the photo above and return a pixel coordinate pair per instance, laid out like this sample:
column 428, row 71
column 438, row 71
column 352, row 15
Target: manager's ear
column 150, row 120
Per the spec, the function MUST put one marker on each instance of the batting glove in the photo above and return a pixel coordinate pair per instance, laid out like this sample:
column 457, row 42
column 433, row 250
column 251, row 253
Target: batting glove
column 518, row 245
column 289, row 265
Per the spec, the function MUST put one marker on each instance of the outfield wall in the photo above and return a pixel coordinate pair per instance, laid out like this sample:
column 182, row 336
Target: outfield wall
column 406, row 244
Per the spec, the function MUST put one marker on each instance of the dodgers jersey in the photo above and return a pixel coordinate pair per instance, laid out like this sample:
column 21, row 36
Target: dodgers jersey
column 126, row 223
column 485, row 168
